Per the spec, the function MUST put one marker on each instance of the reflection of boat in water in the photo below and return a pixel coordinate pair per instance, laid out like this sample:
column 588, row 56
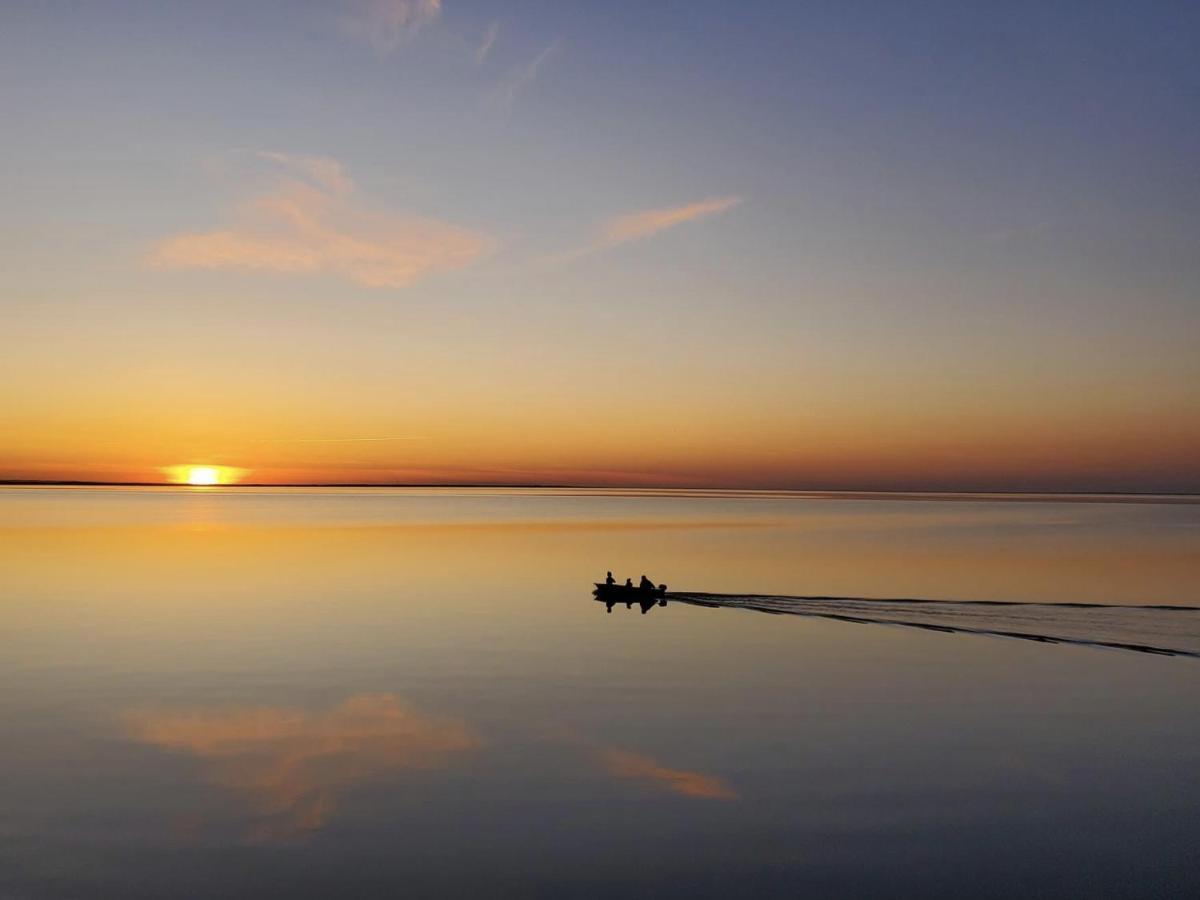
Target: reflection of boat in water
column 628, row 593
column 645, row 597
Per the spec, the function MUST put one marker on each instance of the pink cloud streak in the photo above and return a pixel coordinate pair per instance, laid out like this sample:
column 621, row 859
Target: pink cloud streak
column 312, row 223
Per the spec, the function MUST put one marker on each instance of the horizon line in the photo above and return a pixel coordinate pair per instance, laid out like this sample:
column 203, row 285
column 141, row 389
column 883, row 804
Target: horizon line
column 1187, row 496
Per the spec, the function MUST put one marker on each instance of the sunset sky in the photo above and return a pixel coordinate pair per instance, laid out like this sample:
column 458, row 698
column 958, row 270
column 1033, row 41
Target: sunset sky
column 793, row 245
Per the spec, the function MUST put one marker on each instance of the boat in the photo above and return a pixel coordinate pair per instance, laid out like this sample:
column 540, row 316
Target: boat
column 630, row 593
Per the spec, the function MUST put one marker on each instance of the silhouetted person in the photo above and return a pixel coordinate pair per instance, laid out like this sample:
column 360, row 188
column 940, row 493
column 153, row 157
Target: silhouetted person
column 646, row 584
column 610, row 579
column 628, row 582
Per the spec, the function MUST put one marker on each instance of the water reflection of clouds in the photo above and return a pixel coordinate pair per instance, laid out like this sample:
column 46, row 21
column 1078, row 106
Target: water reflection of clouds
column 627, row 765
column 294, row 765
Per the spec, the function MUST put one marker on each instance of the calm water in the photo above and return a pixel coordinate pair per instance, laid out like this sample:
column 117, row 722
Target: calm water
column 337, row 693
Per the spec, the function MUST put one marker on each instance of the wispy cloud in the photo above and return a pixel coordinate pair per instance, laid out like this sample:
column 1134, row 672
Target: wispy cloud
column 311, row 222
column 323, row 171
column 485, row 45
column 646, row 223
column 386, row 24
column 506, row 92
column 643, row 224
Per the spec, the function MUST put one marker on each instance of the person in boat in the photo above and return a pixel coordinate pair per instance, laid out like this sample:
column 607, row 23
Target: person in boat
column 610, row 579
column 646, row 584
column 628, row 582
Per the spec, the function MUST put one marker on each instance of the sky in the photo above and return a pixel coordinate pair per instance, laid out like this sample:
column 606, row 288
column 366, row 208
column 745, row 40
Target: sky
column 877, row 246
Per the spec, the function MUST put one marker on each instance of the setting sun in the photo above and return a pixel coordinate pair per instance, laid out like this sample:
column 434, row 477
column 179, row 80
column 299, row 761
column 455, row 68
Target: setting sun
column 203, row 475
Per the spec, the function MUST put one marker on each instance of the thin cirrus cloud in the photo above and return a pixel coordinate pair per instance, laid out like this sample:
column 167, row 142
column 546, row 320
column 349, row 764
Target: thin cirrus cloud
column 485, row 45
column 312, row 222
column 326, row 172
column 505, row 94
column 386, row 24
column 646, row 223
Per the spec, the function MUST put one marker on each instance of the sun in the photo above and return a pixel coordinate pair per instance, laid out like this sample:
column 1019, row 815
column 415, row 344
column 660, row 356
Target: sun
column 208, row 475
column 201, row 476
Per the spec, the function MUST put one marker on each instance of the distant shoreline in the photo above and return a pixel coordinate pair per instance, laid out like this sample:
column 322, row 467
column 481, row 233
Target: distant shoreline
column 830, row 494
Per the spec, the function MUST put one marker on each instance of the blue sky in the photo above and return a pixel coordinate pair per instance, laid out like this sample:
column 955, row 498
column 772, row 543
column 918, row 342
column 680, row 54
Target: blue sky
column 993, row 205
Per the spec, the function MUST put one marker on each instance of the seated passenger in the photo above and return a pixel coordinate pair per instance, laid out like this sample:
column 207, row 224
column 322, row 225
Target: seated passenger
column 628, row 582
column 646, row 584
column 610, row 579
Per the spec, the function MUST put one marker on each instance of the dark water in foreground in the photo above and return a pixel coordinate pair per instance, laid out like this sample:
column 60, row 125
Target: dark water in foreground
column 356, row 693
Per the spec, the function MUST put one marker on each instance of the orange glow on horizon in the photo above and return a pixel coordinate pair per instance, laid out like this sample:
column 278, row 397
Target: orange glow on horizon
column 818, row 447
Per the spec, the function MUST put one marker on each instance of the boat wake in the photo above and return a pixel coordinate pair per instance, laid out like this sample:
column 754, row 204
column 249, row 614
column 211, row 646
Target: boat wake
column 1164, row 629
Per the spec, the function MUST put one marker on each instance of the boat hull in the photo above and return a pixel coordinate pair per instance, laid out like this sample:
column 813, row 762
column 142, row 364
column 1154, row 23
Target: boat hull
column 621, row 592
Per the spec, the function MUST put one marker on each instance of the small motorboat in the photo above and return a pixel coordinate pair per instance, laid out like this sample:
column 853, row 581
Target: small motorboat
column 627, row 593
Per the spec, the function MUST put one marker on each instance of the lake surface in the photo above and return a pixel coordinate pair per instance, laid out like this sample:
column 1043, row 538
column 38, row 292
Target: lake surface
column 290, row 693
